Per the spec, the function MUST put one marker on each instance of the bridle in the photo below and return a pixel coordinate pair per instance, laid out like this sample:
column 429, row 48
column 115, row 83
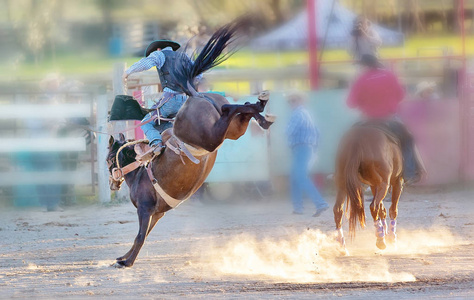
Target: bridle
column 117, row 174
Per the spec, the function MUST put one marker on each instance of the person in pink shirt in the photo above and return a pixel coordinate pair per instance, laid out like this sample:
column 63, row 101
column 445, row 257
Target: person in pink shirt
column 376, row 93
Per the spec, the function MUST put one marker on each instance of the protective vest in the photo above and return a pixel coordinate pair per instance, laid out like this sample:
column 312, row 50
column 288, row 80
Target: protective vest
column 167, row 78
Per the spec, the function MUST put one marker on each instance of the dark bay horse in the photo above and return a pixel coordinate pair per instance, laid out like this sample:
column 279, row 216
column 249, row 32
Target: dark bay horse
column 179, row 180
column 200, row 127
column 368, row 155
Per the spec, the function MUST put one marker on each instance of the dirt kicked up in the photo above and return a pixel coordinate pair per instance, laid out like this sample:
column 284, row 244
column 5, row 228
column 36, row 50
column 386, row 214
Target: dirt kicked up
column 251, row 250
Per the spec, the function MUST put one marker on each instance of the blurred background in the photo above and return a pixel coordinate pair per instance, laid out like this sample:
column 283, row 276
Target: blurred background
column 62, row 63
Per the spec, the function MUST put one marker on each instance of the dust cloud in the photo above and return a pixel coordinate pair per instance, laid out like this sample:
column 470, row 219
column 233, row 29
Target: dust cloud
column 314, row 256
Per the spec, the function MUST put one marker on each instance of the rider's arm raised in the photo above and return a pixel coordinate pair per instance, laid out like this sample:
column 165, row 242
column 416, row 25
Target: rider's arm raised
column 155, row 59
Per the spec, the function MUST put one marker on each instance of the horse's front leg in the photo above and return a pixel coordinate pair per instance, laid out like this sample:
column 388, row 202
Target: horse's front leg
column 153, row 221
column 144, row 219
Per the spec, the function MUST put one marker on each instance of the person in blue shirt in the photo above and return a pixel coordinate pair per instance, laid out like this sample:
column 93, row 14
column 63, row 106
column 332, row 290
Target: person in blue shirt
column 161, row 54
column 303, row 139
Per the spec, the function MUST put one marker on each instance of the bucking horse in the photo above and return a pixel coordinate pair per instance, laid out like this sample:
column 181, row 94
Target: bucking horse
column 200, row 128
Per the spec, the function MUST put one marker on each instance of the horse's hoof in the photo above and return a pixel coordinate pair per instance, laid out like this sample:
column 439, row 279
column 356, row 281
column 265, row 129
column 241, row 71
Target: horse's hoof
column 391, row 239
column 120, row 264
column 265, row 124
column 343, row 251
column 381, row 243
column 120, row 258
column 264, row 95
column 270, row 118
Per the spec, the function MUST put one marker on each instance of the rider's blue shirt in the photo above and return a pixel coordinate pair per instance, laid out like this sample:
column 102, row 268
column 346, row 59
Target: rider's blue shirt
column 155, row 59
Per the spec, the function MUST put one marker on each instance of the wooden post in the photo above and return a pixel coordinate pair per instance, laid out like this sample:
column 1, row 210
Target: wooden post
column 102, row 143
column 120, row 89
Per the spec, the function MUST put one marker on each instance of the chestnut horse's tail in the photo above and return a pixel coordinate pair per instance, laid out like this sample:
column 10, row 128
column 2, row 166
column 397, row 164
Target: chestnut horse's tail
column 354, row 190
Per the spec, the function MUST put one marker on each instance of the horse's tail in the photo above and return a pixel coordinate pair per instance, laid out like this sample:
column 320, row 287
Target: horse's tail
column 354, row 190
column 211, row 55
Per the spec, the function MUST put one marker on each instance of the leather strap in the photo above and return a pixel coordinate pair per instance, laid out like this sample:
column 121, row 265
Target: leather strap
column 182, row 148
column 172, row 202
column 118, row 173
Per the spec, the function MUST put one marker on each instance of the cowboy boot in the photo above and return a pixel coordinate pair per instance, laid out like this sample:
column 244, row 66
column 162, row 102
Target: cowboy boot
column 154, row 150
column 158, row 148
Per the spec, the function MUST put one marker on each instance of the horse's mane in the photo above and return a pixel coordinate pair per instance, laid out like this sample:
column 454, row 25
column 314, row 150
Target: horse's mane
column 211, row 55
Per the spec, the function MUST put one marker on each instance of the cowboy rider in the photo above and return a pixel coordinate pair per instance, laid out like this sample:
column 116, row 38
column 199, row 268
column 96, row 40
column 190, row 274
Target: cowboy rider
column 160, row 54
column 377, row 94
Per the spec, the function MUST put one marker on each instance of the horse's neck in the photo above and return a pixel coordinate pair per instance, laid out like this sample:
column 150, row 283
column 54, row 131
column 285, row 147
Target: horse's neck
column 125, row 159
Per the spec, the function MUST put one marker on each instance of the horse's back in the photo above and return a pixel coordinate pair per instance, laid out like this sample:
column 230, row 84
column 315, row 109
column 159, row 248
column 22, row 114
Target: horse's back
column 375, row 150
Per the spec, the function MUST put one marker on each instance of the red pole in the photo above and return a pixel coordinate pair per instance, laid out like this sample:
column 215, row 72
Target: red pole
column 464, row 108
column 311, row 7
column 463, row 31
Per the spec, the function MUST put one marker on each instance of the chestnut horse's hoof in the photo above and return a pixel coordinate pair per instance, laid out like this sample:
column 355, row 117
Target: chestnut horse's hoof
column 392, row 239
column 381, row 243
column 343, row 251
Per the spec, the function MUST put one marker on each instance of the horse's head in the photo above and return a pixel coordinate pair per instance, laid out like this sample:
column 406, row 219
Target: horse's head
column 115, row 176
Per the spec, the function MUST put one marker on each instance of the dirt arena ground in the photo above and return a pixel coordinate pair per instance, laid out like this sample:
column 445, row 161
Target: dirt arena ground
column 241, row 250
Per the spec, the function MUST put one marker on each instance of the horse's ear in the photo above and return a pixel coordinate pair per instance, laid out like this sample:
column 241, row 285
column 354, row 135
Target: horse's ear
column 121, row 137
column 111, row 141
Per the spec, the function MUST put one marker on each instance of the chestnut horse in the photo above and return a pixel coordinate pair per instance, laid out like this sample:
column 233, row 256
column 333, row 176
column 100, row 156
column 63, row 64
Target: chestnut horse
column 200, row 127
column 368, row 155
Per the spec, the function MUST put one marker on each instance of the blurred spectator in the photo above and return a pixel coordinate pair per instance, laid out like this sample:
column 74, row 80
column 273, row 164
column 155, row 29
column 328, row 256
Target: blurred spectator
column 426, row 91
column 303, row 140
column 365, row 40
column 377, row 93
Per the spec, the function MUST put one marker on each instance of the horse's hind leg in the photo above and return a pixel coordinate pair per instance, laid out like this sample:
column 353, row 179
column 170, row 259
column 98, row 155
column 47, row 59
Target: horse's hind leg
column 376, row 211
column 264, row 122
column 144, row 219
column 383, row 217
column 396, row 193
column 338, row 212
column 153, row 221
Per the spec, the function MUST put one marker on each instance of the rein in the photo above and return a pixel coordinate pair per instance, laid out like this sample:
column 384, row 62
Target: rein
column 89, row 128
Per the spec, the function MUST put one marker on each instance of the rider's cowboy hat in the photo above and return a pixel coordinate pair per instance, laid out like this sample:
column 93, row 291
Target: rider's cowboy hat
column 161, row 44
column 370, row 61
column 424, row 86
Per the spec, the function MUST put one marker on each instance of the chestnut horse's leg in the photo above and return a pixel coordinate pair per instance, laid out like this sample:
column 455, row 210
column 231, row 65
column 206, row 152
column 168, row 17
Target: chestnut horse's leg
column 397, row 188
column 375, row 210
column 382, row 211
column 383, row 216
column 338, row 212
column 144, row 219
column 153, row 221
